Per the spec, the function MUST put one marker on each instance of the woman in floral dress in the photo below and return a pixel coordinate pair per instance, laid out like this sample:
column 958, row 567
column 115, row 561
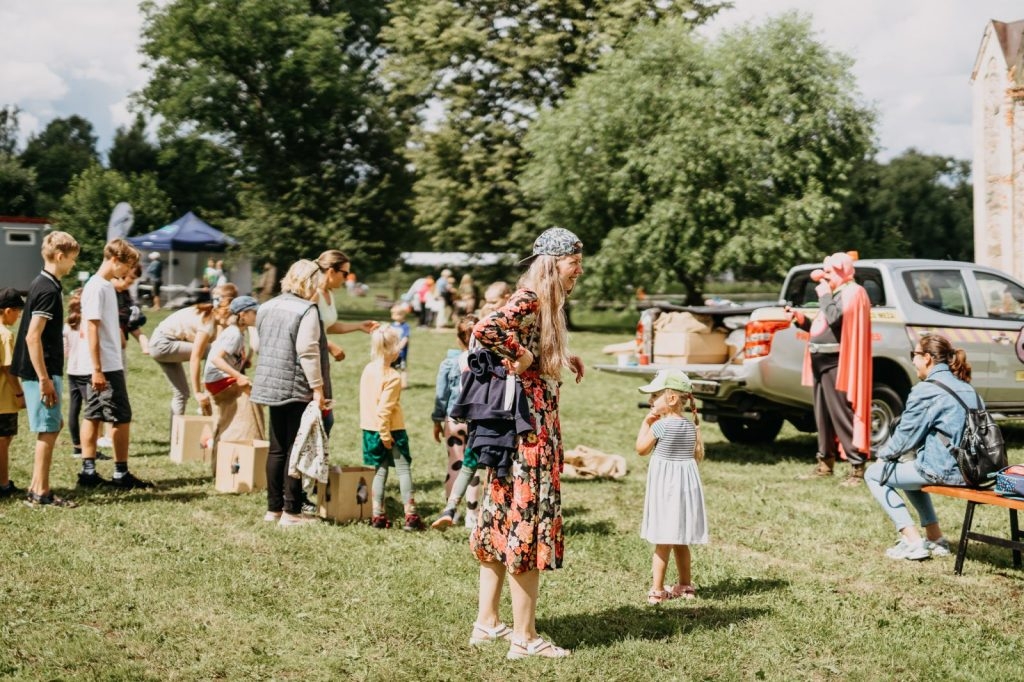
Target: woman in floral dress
column 519, row 531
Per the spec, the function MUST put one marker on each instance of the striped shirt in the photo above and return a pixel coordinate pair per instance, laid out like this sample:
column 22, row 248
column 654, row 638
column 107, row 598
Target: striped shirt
column 677, row 439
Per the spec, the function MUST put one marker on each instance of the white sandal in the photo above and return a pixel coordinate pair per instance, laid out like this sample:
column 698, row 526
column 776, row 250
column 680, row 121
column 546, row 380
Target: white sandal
column 483, row 634
column 539, row 647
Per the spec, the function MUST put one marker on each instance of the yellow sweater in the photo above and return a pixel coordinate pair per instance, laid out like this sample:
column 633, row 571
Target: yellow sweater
column 380, row 390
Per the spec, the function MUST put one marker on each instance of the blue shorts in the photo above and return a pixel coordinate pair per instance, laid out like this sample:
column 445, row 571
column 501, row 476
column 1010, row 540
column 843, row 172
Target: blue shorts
column 43, row 419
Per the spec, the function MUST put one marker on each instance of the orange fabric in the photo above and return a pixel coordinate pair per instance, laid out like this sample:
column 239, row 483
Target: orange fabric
column 854, row 373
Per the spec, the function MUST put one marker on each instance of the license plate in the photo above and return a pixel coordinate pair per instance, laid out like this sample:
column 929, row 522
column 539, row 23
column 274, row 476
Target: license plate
column 705, row 387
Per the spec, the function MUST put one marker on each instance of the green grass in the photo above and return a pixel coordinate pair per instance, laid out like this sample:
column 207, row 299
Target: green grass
column 183, row 583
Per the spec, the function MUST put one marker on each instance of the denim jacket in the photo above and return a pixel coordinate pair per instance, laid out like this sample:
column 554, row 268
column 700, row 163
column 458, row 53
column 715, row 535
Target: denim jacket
column 931, row 410
column 449, row 384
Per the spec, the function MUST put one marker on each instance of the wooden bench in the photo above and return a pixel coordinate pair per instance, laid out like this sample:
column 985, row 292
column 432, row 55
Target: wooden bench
column 974, row 498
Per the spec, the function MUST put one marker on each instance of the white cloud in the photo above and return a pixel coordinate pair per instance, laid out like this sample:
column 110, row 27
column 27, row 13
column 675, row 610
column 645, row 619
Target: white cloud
column 26, row 81
column 913, row 60
column 120, row 114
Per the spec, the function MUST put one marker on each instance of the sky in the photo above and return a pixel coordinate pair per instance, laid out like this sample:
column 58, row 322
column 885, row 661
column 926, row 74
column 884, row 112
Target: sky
column 913, row 61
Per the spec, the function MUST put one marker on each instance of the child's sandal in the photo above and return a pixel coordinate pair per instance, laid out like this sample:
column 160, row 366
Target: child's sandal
column 483, row 634
column 655, row 597
column 683, row 592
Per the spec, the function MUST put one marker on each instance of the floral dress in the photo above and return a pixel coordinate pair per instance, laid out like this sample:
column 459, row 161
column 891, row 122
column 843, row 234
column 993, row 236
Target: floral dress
column 520, row 521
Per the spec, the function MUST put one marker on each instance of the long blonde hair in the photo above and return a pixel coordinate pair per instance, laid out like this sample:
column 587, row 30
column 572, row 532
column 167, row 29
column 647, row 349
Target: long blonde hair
column 542, row 279
column 698, row 447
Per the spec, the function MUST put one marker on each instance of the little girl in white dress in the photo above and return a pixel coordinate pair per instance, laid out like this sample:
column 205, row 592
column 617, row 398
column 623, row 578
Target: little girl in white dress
column 674, row 515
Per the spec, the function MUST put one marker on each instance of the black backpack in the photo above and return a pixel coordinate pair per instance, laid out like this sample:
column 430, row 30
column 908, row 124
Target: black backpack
column 982, row 450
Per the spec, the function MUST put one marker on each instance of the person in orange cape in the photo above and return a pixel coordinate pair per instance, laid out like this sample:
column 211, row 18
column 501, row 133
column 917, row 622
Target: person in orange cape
column 837, row 364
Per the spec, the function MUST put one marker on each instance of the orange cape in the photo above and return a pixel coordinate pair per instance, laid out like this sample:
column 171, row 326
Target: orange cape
column 854, row 374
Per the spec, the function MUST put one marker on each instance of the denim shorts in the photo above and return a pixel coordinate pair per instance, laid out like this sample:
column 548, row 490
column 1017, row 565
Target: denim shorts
column 43, row 419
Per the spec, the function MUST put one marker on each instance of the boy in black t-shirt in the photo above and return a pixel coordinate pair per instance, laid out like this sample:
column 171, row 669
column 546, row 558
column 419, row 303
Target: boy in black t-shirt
column 39, row 360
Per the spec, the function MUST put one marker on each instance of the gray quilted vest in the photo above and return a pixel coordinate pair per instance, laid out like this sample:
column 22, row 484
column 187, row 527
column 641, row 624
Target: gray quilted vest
column 279, row 377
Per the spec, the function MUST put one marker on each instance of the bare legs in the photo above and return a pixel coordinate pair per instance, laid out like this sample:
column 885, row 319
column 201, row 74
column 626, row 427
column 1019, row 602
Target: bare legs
column 524, row 588
column 659, row 564
column 41, row 466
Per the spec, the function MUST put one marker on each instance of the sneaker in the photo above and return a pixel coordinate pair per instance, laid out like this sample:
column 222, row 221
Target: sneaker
column 77, row 454
column 10, row 490
column 272, row 516
column 938, row 548
column 35, row 501
column 380, row 522
column 904, row 550
column 293, row 520
column 446, row 519
column 104, row 442
column 92, row 480
column 413, row 522
column 129, row 482
column 102, row 456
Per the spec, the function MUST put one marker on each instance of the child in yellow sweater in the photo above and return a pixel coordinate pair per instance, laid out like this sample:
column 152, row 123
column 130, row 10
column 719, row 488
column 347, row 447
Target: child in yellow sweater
column 385, row 442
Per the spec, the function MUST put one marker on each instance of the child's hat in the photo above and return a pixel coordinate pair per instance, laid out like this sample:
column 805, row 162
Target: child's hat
column 669, row 378
column 153, row 255
column 243, row 303
column 10, row 298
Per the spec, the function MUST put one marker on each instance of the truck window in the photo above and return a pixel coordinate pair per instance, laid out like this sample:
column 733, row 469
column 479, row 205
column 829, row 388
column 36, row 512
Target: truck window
column 800, row 290
column 941, row 290
column 1003, row 298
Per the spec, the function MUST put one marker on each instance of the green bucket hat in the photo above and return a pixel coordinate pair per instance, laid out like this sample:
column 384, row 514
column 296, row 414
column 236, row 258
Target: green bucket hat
column 669, row 378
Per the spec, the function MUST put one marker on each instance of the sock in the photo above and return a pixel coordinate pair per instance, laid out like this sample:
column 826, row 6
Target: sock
column 89, row 467
column 77, row 449
column 120, row 469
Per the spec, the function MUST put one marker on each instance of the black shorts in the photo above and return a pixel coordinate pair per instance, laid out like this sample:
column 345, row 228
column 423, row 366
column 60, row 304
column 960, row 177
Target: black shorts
column 110, row 405
column 156, row 284
column 8, row 424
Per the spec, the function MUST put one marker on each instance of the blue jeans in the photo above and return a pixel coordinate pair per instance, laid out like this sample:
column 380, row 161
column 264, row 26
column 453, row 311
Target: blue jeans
column 904, row 477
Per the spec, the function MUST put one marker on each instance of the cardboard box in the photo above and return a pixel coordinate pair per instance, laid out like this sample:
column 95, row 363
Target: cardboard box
column 347, row 495
column 241, row 467
column 189, row 435
column 679, row 348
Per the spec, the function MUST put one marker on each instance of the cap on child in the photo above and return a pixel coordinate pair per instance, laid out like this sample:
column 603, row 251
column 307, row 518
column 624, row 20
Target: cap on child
column 243, row 303
column 10, row 298
column 669, row 378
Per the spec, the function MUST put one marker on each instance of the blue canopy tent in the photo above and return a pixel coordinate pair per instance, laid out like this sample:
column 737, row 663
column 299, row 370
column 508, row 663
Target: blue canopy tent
column 189, row 236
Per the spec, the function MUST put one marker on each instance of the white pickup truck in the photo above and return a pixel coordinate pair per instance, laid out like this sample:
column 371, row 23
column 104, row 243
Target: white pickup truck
column 980, row 310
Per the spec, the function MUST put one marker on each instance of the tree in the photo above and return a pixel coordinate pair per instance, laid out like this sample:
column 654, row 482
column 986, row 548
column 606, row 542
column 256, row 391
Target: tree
column 9, row 129
column 85, row 209
column 681, row 158
column 18, row 192
column 131, row 151
column 198, row 175
column 917, row 205
column 288, row 88
column 489, row 67
column 65, row 148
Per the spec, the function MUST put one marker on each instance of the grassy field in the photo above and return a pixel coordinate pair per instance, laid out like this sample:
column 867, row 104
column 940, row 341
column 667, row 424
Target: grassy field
column 183, row 583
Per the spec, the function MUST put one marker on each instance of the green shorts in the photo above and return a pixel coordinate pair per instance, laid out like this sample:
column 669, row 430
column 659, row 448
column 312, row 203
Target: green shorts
column 469, row 460
column 376, row 455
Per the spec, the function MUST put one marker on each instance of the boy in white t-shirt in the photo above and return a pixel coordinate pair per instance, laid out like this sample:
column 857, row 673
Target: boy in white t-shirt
column 107, row 395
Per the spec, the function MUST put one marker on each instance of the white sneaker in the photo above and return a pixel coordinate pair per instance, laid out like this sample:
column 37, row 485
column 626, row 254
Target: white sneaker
column 104, row 442
column 938, row 548
column 904, row 550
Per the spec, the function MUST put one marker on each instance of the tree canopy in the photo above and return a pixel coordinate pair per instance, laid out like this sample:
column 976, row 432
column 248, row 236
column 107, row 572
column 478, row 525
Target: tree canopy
column 681, row 157
column 474, row 75
column 85, row 209
column 65, row 148
column 289, row 88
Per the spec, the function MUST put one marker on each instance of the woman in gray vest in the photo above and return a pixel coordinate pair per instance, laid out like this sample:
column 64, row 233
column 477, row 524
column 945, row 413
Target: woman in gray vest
column 288, row 377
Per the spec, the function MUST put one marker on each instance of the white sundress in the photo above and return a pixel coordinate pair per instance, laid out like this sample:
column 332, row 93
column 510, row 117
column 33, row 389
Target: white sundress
column 674, row 511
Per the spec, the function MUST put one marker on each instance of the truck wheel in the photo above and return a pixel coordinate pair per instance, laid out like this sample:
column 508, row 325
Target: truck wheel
column 886, row 405
column 751, row 431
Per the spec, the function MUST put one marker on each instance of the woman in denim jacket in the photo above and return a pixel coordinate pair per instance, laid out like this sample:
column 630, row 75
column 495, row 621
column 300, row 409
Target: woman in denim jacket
column 930, row 411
